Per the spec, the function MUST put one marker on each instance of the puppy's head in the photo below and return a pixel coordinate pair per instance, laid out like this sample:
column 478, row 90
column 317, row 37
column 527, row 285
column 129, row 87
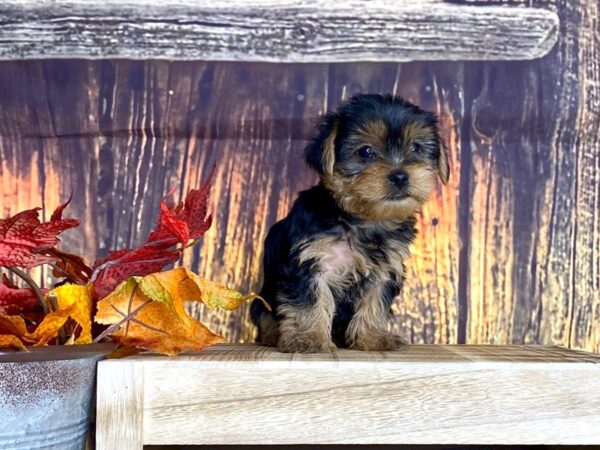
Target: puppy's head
column 380, row 156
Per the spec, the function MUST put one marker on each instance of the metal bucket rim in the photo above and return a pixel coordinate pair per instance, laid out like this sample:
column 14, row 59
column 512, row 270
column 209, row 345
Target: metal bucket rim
column 56, row 353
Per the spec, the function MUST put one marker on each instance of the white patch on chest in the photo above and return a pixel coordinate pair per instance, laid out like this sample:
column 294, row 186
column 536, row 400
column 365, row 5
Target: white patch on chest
column 337, row 259
column 333, row 257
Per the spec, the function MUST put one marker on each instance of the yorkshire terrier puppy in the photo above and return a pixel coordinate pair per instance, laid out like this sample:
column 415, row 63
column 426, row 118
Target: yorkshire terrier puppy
column 334, row 265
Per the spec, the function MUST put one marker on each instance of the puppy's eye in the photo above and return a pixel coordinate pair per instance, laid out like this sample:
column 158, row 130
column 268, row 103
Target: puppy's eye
column 415, row 147
column 366, row 151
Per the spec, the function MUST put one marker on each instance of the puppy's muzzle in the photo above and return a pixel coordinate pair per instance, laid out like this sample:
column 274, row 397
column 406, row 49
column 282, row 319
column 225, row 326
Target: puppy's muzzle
column 399, row 179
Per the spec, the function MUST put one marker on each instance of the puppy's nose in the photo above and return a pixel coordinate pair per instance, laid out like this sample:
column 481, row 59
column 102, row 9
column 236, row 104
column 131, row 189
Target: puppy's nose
column 399, row 178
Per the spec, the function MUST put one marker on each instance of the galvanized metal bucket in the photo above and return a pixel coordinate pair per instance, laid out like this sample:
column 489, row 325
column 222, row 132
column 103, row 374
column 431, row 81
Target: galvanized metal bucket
column 46, row 396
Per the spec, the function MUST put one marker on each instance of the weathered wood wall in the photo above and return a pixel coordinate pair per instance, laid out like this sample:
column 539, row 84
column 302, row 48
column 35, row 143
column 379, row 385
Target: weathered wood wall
column 509, row 251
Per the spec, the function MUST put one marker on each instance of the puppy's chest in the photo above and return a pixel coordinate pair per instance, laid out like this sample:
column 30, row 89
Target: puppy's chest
column 351, row 256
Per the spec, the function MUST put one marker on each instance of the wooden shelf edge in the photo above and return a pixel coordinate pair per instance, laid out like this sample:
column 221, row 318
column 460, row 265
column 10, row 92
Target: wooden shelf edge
column 279, row 31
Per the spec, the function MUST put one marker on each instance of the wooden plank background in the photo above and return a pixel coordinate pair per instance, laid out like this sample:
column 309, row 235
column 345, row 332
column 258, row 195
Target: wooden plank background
column 508, row 251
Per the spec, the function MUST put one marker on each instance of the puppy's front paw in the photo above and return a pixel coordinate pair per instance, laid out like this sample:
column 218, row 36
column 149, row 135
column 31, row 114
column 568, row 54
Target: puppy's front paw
column 305, row 343
column 380, row 342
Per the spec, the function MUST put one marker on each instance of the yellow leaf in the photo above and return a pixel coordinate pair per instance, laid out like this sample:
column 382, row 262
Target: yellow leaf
column 9, row 340
column 216, row 295
column 50, row 326
column 78, row 299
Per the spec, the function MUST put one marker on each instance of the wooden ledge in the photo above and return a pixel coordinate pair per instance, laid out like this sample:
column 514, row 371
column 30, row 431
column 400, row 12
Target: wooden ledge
column 274, row 30
column 426, row 394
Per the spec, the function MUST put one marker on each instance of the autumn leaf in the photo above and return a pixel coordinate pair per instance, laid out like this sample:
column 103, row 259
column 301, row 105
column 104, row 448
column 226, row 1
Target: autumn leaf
column 163, row 246
column 74, row 302
column 8, row 341
column 50, row 326
column 77, row 300
column 12, row 332
column 14, row 325
column 218, row 296
column 69, row 266
column 24, row 239
column 161, row 326
column 149, row 312
column 120, row 265
column 168, row 344
column 15, row 300
column 188, row 220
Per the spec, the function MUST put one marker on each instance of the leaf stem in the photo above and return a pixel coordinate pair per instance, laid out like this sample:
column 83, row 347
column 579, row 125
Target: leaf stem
column 36, row 289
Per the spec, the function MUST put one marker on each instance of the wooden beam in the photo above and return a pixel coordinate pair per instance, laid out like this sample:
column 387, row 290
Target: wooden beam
column 425, row 394
column 274, row 30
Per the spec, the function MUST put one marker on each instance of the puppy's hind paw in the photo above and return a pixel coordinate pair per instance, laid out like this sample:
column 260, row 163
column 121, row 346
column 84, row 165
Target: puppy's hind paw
column 305, row 343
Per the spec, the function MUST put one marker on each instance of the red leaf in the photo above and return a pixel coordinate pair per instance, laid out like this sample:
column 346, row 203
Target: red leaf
column 169, row 229
column 24, row 239
column 57, row 214
column 122, row 264
column 196, row 208
column 175, row 225
column 14, row 300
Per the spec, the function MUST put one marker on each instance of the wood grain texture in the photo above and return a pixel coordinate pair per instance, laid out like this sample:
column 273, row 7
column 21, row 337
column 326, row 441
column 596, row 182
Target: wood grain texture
column 534, row 215
column 273, row 30
column 423, row 395
column 119, row 407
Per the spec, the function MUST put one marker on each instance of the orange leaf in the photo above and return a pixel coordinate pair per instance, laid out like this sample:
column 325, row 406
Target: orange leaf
column 168, row 344
column 124, row 351
column 14, row 325
column 9, row 340
column 149, row 312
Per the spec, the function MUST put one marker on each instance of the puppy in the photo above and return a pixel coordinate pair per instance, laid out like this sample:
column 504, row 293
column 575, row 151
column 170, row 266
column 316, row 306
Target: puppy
column 334, row 265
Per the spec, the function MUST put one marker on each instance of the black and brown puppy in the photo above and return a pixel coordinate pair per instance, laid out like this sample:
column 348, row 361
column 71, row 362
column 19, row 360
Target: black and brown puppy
column 333, row 266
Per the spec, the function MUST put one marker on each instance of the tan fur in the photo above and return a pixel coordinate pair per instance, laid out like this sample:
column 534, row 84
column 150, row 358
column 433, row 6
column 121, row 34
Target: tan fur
column 368, row 329
column 366, row 194
column 328, row 156
column 415, row 131
column 374, row 133
column 307, row 329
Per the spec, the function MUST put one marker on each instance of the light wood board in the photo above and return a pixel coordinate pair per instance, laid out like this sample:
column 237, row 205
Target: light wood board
column 236, row 394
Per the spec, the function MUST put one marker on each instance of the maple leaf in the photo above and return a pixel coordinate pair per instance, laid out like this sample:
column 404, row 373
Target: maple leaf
column 70, row 266
column 123, row 264
column 190, row 219
column 15, row 300
column 77, row 301
column 149, row 312
column 24, row 239
column 175, row 225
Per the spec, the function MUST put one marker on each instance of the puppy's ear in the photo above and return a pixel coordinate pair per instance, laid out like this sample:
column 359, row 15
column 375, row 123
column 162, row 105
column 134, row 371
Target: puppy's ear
column 443, row 165
column 320, row 151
